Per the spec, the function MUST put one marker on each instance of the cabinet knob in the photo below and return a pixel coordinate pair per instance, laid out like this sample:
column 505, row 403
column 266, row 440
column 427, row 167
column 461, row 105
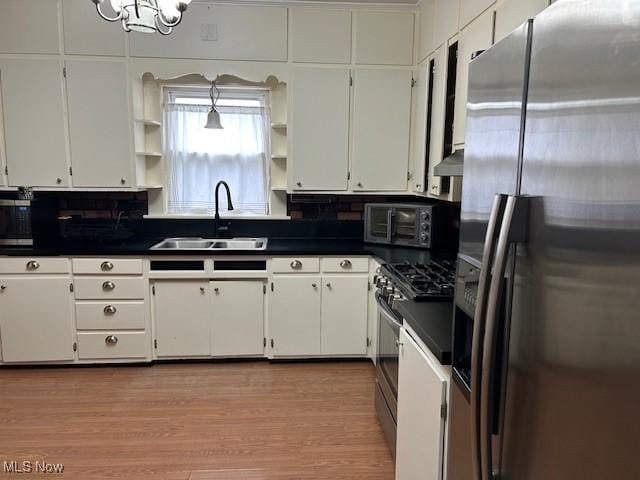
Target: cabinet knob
column 359, row 185
column 108, row 286
column 58, row 181
column 296, row 264
column 201, row 289
column 3, row 288
column 314, row 285
column 328, row 285
column 111, row 340
column 33, row 265
column 123, row 181
column 106, row 266
column 345, row 263
column 109, row 310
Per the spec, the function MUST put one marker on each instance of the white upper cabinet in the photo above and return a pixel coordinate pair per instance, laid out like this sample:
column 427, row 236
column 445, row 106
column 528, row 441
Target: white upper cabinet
column 422, row 384
column 381, row 123
column 29, row 26
column 85, row 33
column 319, row 129
column 510, row 14
column 477, row 36
column 436, row 145
column 446, row 15
column 237, row 314
column 32, row 94
column 99, row 125
column 320, row 35
column 426, row 29
column 470, row 9
column 384, row 38
column 419, row 111
column 344, row 315
column 220, row 32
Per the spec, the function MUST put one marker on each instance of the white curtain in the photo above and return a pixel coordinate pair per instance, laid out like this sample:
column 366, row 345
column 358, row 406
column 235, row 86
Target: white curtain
column 197, row 158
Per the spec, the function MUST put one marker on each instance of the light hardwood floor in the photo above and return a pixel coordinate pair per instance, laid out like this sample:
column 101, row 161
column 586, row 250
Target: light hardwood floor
column 198, row 421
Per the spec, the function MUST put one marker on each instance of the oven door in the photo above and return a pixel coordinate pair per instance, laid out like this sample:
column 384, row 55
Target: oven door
column 378, row 221
column 406, row 226
column 388, row 355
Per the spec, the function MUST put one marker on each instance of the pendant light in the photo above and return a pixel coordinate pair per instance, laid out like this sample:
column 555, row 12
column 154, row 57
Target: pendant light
column 213, row 119
column 147, row 16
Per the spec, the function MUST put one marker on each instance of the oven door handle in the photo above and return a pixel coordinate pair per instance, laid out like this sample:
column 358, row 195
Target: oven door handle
column 491, row 236
column 388, row 313
column 390, row 222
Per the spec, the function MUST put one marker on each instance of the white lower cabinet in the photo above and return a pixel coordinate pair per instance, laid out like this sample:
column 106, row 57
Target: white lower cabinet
column 112, row 345
column 36, row 319
column 182, row 316
column 237, row 314
column 343, row 324
column 294, row 315
column 422, row 386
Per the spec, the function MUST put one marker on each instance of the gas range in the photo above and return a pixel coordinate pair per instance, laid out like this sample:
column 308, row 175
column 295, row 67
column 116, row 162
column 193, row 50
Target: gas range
column 419, row 282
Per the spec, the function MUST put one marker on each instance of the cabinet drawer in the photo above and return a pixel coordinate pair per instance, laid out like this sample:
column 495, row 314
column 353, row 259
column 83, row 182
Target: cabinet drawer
column 295, row 265
column 101, row 345
column 345, row 265
column 93, row 266
column 95, row 288
column 34, row 265
column 110, row 316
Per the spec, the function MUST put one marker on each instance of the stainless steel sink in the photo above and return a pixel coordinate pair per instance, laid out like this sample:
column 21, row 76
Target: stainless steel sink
column 209, row 244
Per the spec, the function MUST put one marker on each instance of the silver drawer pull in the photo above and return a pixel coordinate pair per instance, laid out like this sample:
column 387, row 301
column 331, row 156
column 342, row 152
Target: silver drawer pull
column 109, row 310
column 345, row 264
column 296, row 264
column 108, row 286
column 33, row 265
column 106, row 266
column 111, row 340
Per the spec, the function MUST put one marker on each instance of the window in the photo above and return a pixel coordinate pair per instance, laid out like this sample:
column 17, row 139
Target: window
column 197, row 158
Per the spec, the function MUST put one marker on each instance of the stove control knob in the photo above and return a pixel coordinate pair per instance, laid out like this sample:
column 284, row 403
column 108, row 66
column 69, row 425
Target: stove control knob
column 424, row 225
column 423, row 215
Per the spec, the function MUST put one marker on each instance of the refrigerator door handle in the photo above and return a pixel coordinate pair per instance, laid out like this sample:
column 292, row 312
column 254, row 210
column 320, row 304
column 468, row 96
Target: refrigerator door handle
column 493, row 227
column 513, row 230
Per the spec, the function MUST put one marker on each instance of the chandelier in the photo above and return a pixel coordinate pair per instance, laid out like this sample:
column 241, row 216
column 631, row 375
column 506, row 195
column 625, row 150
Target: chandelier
column 146, row 16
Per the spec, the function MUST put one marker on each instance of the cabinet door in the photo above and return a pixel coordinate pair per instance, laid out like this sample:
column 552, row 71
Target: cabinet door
column 476, row 36
column 446, row 16
column 421, row 395
column 426, row 29
column 30, row 26
column 394, row 47
column 238, row 318
column 471, row 9
column 36, row 330
column 381, row 122
column 182, row 318
column 85, row 33
column 436, row 145
column 344, row 315
column 510, row 14
column 294, row 315
column 419, row 112
column 35, row 138
column 319, row 129
column 99, row 126
column 320, row 35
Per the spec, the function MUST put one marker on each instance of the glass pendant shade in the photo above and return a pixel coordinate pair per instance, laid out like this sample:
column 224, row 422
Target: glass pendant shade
column 146, row 16
column 213, row 120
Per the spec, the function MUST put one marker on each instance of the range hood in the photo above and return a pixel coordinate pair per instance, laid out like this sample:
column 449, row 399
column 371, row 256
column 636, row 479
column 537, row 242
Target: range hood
column 451, row 166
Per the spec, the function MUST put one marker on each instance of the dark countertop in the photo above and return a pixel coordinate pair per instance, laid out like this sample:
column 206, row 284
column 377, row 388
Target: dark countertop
column 275, row 246
column 433, row 322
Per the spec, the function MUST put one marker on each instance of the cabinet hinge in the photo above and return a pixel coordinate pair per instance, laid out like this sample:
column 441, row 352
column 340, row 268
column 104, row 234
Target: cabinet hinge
column 64, row 72
column 272, row 286
column 409, row 175
column 264, row 289
column 272, row 343
column 368, row 286
column 75, row 346
column 6, row 170
column 444, row 411
column 71, row 171
column 368, row 342
column 413, row 82
column 155, row 344
column 264, row 342
column 348, row 175
column 153, row 289
column 351, row 80
column 71, row 287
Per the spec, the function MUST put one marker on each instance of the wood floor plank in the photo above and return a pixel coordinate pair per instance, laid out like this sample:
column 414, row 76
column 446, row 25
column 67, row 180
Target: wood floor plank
column 200, row 421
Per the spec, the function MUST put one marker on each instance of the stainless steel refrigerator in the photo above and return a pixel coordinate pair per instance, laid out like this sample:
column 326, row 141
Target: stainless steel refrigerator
column 546, row 358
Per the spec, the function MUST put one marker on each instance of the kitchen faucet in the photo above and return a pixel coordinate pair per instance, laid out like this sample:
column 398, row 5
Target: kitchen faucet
column 216, row 218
